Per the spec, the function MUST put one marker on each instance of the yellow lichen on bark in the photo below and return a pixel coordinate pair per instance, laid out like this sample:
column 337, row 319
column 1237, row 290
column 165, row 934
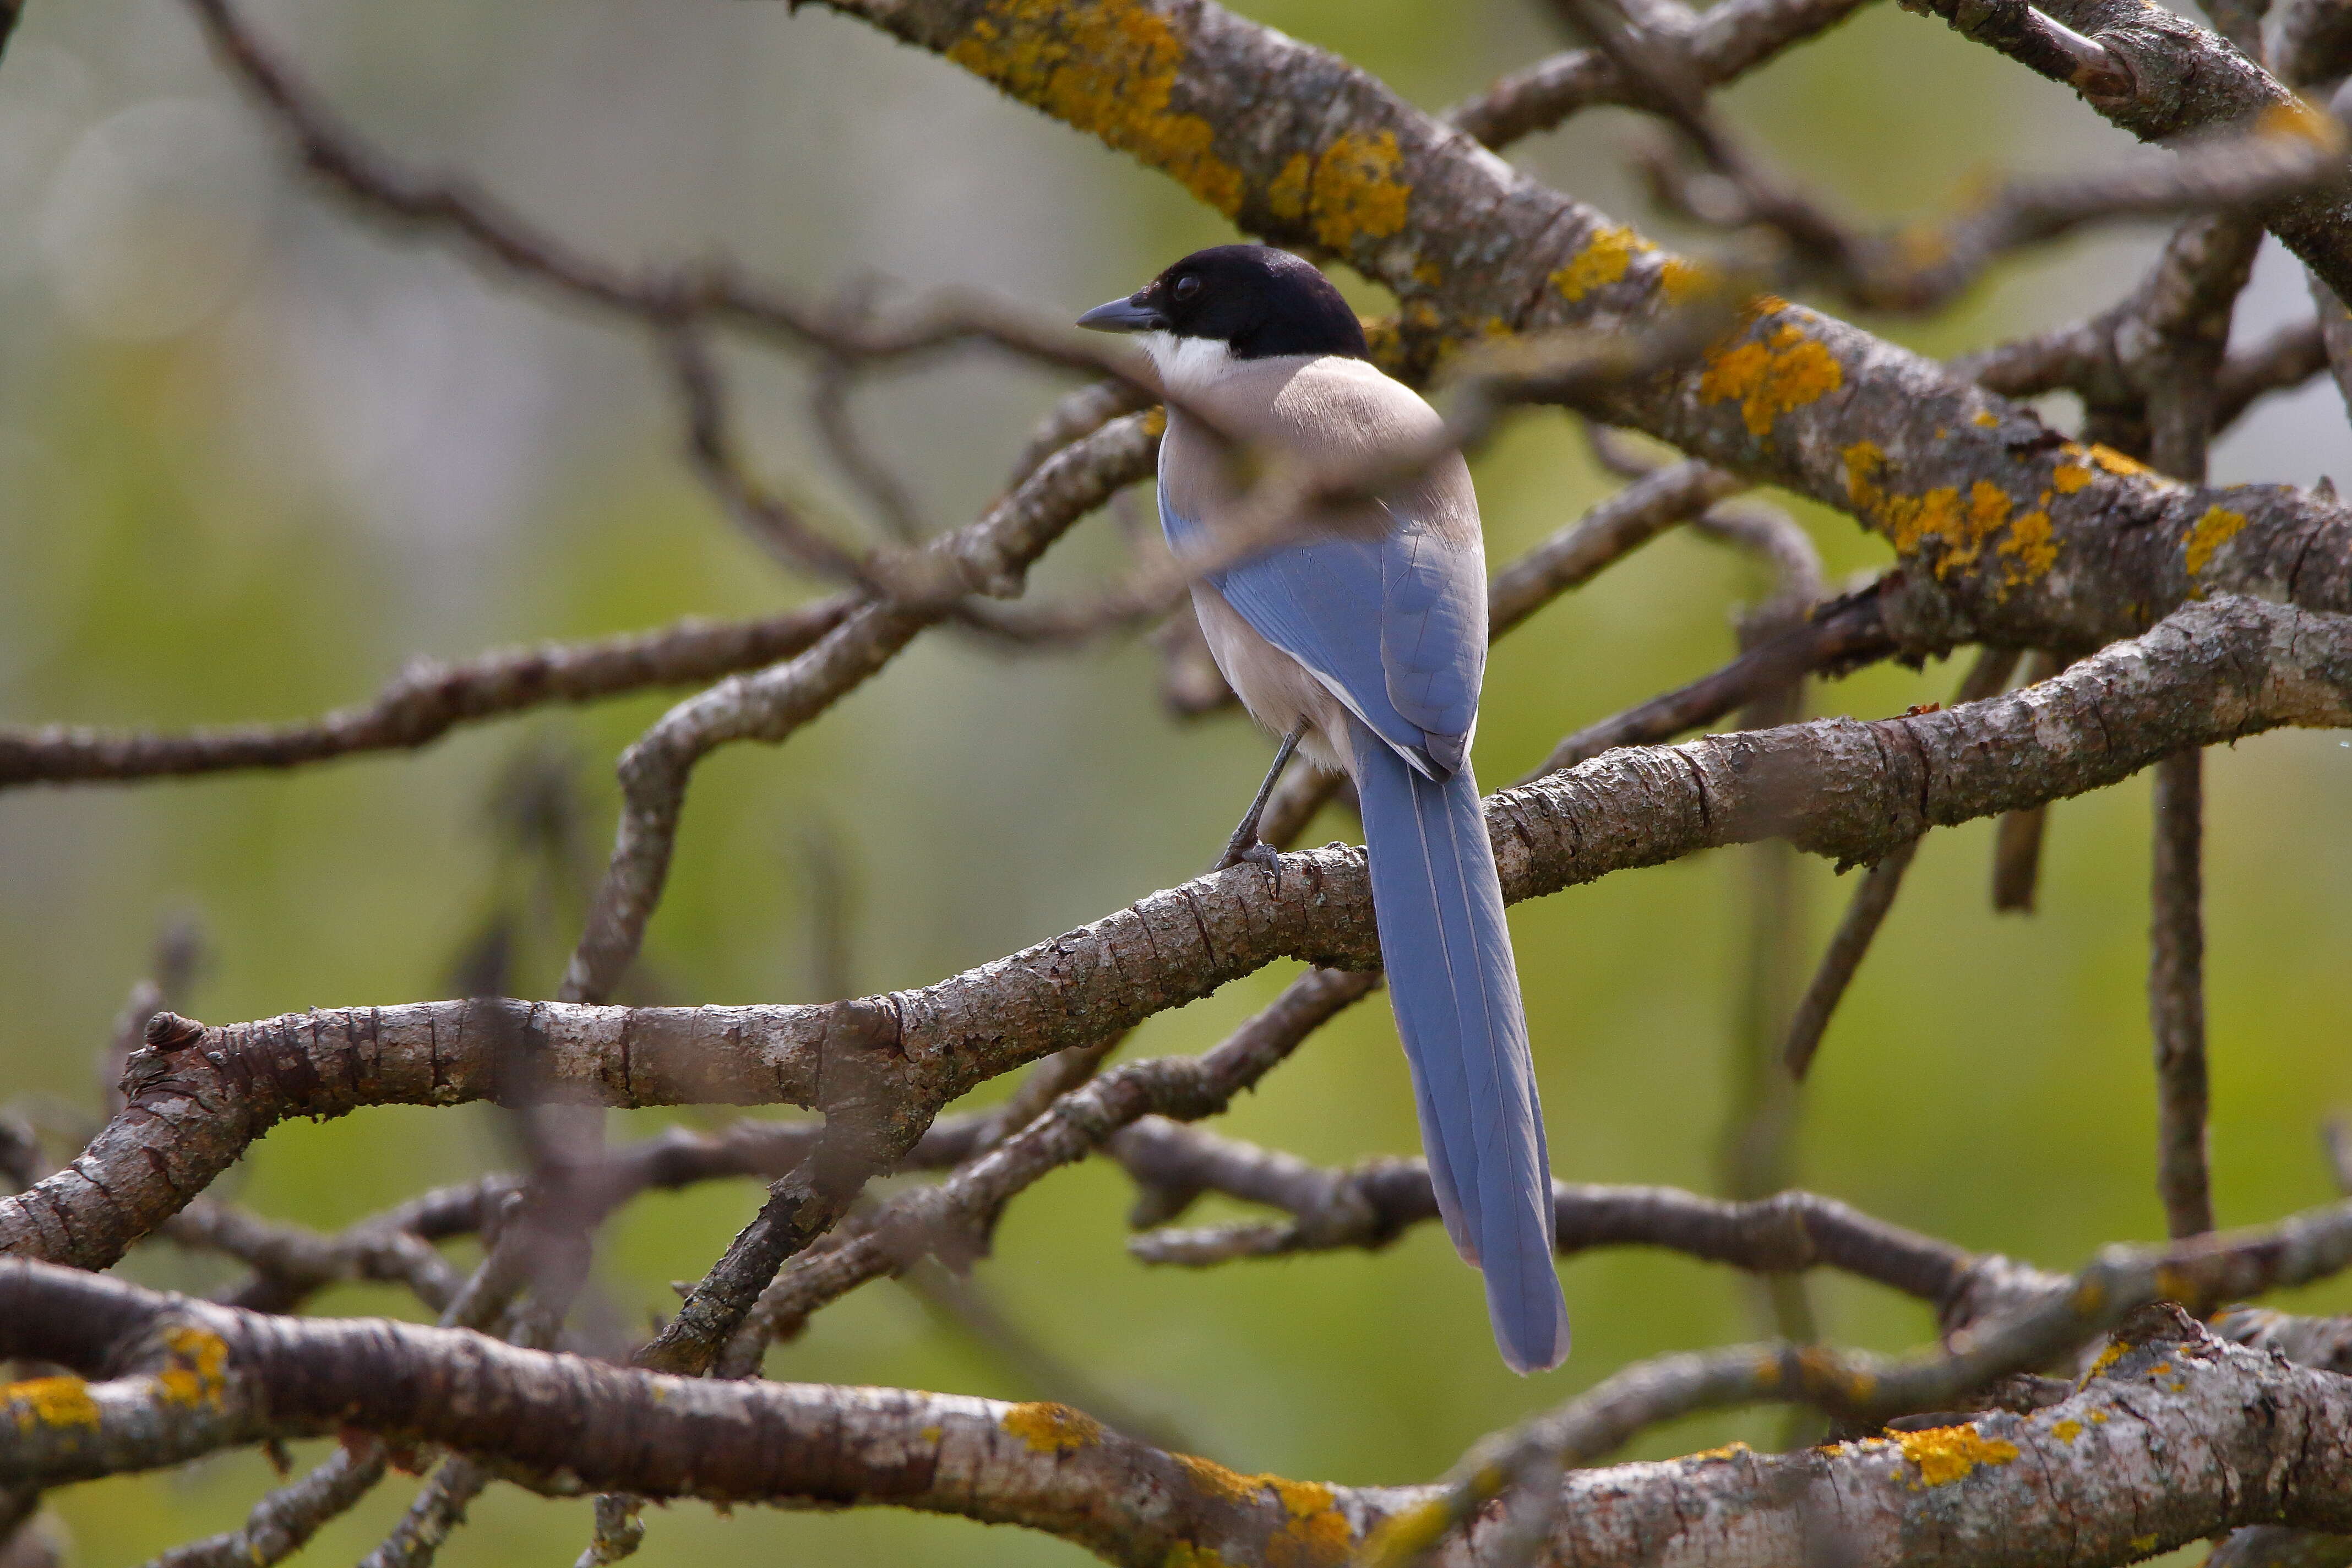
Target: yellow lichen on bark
column 199, row 1368
column 1600, row 263
column 1051, row 1428
column 1287, row 196
column 2031, row 542
column 1770, row 378
column 1108, row 68
column 1946, row 1453
column 2066, row 1431
column 2024, row 542
column 1224, row 1485
column 1316, row 1535
column 1354, row 193
column 2215, row 528
column 2068, row 477
column 1401, row 1537
column 2115, row 462
column 1681, row 280
column 50, row 1402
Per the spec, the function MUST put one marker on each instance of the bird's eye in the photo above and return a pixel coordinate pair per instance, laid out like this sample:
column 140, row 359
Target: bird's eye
column 1186, row 288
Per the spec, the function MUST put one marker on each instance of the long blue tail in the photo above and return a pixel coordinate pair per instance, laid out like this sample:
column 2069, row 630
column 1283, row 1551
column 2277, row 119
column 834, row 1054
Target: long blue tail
column 1456, row 989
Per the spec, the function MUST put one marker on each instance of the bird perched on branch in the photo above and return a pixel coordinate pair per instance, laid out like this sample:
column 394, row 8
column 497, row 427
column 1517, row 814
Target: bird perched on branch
column 1362, row 643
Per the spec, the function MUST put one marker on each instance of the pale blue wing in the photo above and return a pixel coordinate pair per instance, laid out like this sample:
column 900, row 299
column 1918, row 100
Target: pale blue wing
column 1388, row 623
column 1433, row 633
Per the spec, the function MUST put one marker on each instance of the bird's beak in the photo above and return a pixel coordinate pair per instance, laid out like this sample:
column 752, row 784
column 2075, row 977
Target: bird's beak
column 1124, row 316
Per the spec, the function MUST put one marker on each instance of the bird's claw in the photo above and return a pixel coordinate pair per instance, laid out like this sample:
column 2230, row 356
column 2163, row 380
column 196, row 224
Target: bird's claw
column 1258, row 853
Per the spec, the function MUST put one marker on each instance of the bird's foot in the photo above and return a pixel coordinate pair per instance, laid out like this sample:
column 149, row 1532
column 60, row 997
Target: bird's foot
column 1256, row 852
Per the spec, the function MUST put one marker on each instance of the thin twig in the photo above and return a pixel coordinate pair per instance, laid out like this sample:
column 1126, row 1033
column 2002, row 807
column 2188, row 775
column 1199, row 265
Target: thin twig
column 2176, row 997
column 1872, row 900
column 428, row 699
column 965, row 1205
column 283, row 1522
column 1838, row 636
column 662, row 298
column 2017, row 838
column 1730, row 41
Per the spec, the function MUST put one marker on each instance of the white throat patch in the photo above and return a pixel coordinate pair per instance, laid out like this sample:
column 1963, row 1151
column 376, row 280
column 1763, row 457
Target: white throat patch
column 1188, row 368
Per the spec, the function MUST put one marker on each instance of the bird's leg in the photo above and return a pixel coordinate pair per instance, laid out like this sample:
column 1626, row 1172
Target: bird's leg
column 1245, row 846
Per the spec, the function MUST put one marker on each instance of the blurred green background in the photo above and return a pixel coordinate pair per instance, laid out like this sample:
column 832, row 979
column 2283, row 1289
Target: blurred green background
column 255, row 454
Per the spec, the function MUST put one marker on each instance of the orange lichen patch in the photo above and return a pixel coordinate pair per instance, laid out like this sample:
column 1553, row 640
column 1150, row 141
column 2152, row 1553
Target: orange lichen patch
column 2215, row 528
column 1428, row 274
column 1224, row 1485
column 2098, row 1417
column 1051, row 1428
column 2108, row 1358
column 1155, row 420
column 1107, row 67
column 2143, row 1544
column 1405, row 1535
column 2068, row 477
column 1600, row 263
column 199, row 1368
column 1984, row 418
column 1287, row 196
column 50, row 1402
column 931, row 1434
column 1302, row 1500
column 1728, row 1451
column 2030, row 543
column 1945, row 1454
column 1316, row 1535
column 1965, row 527
column 2115, row 462
column 1354, row 192
column 1682, row 280
column 2066, row 1431
column 1771, row 378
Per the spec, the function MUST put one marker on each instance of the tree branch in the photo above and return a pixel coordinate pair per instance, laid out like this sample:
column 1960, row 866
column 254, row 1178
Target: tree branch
column 2178, row 1437
column 2175, row 995
column 1841, row 787
column 428, row 699
column 1729, row 41
column 2026, row 539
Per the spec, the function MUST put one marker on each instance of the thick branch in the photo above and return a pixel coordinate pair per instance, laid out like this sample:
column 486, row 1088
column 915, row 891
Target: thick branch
column 2026, row 539
column 1841, row 787
column 2179, row 1436
column 2164, row 78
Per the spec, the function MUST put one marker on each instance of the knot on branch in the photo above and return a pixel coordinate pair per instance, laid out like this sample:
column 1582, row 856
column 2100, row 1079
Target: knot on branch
column 169, row 1032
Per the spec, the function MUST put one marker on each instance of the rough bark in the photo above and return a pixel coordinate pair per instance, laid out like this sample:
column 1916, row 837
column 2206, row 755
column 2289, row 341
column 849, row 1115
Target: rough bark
column 1843, row 789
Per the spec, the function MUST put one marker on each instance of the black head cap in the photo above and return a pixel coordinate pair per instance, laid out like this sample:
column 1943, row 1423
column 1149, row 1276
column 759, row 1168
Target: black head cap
column 1259, row 300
